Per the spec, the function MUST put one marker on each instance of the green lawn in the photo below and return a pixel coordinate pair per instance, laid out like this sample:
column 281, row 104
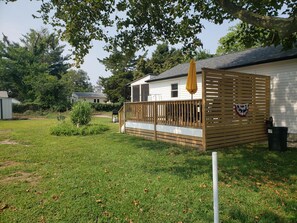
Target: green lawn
column 114, row 177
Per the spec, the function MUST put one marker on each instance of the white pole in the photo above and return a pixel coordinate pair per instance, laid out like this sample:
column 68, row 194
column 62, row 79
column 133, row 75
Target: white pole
column 215, row 187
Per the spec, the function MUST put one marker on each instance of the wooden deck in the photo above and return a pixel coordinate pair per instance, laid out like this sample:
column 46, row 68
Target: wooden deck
column 211, row 122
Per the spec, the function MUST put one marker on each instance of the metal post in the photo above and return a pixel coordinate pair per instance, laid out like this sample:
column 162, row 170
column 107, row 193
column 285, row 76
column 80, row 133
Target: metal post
column 215, row 187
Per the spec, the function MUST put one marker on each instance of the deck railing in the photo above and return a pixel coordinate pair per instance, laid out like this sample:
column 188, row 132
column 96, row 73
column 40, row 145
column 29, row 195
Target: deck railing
column 185, row 113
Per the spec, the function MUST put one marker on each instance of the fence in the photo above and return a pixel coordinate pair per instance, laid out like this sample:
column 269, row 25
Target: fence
column 185, row 113
column 222, row 91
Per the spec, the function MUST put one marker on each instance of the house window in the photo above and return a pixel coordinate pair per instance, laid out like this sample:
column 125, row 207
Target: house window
column 136, row 94
column 94, row 100
column 98, row 100
column 174, row 90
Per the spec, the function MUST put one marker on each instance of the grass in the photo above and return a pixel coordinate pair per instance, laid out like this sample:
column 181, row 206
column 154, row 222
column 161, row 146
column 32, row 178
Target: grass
column 114, row 177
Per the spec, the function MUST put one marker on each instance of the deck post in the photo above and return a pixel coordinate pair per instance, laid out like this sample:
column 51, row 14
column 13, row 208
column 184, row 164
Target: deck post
column 124, row 117
column 215, row 187
column 155, row 120
column 203, row 110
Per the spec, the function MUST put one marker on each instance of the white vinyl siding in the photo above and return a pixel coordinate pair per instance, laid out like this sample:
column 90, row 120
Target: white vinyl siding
column 162, row 89
column 283, row 75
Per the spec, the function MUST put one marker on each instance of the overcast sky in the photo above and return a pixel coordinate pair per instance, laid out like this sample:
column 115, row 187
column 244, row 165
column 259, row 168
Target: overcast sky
column 16, row 19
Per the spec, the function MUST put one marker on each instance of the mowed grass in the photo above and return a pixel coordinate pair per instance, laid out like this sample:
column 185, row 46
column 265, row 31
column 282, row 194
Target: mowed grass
column 113, row 177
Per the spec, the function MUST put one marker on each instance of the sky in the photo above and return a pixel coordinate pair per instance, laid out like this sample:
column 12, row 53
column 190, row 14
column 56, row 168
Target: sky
column 16, row 20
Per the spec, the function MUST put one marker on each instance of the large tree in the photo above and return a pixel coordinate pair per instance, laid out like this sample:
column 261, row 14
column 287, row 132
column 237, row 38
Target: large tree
column 122, row 66
column 237, row 39
column 77, row 81
column 147, row 22
column 35, row 70
column 23, row 64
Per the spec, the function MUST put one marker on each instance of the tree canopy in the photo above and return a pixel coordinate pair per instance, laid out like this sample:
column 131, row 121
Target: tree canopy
column 136, row 24
column 237, row 40
column 35, row 70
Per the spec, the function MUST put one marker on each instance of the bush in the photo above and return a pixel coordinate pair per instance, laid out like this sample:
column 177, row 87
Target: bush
column 22, row 108
column 106, row 107
column 81, row 113
column 34, row 107
column 67, row 129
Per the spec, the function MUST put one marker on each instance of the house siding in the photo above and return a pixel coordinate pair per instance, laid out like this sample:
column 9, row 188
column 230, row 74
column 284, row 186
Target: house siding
column 162, row 89
column 283, row 80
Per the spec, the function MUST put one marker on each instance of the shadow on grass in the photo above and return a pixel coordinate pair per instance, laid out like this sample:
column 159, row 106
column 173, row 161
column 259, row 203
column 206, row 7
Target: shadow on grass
column 182, row 161
column 238, row 215
column 263, row 174
column 252, row 163
column 255, row 163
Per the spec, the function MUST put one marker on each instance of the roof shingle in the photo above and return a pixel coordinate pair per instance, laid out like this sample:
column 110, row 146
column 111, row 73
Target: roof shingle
column 233, row 60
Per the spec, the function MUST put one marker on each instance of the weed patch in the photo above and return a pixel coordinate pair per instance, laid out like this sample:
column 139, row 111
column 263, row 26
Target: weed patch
column 68, row 129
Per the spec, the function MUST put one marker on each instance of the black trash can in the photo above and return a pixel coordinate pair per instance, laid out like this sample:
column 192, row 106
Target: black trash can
column 277, row 138
column 115, row 114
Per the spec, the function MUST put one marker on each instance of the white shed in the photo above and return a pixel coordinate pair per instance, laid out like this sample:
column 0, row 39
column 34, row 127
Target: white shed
column 5, row 106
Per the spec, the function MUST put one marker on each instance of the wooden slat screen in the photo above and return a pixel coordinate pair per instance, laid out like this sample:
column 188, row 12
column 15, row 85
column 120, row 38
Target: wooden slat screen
column 223, row 89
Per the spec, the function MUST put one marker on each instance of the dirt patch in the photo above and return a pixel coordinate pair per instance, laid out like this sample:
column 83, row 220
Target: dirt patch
column 5, row 131
column 9, row 142
column 102, row 116
column 20, row 176
column 6, row 164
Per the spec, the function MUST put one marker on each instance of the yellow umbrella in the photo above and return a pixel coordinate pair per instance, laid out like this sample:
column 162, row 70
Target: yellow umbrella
column 192, row 79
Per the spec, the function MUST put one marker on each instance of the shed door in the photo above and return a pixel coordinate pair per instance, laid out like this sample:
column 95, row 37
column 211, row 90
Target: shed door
column 144, row 92
column 135, row 92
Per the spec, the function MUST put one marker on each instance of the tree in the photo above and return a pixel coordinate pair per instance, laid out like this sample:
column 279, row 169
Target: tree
column 35, row 70
column 147, row 22
column 164, row 58
column 121, row 65
column 240, row 38
column 77, row 81
column 22, row 63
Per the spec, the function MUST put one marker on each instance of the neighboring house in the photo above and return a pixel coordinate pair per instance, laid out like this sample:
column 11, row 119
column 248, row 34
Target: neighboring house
column 5, row 106
column 92, row 97
column 280, row 65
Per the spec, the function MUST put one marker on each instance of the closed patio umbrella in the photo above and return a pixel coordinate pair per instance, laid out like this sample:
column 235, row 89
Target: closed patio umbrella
column 192, row 79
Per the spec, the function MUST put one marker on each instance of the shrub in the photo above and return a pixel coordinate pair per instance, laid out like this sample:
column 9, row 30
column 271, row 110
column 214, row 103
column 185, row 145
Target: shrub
column 106, row 107
column 36, row 107
column 81, row 113
column 21, row 108
column 67, row 129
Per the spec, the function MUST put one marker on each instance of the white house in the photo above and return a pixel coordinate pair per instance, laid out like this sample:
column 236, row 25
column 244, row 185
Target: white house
column 92, row 97
column 280, row 65
column 5, row 106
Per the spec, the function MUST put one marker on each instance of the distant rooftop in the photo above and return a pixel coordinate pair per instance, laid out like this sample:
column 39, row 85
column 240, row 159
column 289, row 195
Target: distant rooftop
column 240, row 59
column 89, row 95
column 3, row 94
